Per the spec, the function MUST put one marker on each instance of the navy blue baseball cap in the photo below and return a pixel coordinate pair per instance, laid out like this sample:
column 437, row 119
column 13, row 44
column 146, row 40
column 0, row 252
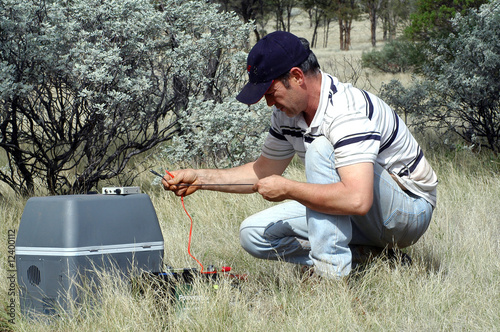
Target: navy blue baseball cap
column 272, row 56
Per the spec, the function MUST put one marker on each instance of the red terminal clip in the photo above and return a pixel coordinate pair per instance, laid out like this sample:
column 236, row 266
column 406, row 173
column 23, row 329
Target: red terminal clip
column 226, row 269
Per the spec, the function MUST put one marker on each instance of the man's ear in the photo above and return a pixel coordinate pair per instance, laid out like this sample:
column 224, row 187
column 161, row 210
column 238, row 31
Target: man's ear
column 297, row 75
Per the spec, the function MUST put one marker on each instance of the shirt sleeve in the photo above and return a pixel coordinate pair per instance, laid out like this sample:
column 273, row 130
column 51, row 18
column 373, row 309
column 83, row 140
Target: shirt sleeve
column 276, row 146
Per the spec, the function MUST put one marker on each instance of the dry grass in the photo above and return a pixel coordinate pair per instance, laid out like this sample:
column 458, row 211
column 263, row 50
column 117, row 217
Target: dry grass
column 452, row 285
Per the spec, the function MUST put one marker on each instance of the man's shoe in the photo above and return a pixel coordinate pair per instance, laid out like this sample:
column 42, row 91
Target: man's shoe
column 364, row 254
column 399, row 257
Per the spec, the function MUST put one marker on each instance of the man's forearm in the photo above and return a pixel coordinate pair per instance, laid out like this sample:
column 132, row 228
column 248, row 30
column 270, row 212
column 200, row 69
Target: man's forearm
column 238, row 179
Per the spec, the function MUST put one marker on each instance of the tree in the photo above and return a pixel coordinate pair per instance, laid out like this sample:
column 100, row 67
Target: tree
column 324, row 11
column 329, row 14
column 249, row 11
column 373, row 7
column 407, row 52
column 348, row 11
column 86, row 85
column 315, row 11
column 390, row 12
column 393, row 14
column 432, row 17
column 283, row 12
column 461, row 86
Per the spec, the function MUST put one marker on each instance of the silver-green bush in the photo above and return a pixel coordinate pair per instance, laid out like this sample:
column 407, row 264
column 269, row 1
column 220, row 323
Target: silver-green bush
column 460, row 89
column 85, row 85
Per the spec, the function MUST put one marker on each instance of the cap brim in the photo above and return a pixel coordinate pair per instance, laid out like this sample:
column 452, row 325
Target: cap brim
column 253, row 92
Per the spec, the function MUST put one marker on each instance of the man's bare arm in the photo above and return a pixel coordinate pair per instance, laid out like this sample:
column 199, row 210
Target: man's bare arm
column 353, row 195
column 248, row 173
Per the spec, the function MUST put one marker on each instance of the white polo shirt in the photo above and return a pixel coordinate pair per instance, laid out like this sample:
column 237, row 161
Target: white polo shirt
column 362, row 128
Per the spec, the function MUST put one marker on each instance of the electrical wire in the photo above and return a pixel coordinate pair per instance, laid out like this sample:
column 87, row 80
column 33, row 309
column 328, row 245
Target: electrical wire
column 189, row 240
column 191, row 235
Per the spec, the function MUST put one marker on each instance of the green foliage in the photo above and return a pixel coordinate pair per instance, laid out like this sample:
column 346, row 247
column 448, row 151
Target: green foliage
column 412, row 103
column 86, row 85
column 397, row 56
column 220, row 134
column 432, row 18
column 461, row 88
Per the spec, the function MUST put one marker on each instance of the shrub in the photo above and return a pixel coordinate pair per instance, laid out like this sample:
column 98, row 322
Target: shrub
column 86, row 85
column 461, row 85
column 395, row 57
column 223, row 134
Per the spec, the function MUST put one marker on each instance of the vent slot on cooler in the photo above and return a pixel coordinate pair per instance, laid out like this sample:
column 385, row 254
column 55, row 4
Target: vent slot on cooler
column 34, row 275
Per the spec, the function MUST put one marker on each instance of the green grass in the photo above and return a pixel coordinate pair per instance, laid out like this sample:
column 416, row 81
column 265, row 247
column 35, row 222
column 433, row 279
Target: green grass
column 452, row 285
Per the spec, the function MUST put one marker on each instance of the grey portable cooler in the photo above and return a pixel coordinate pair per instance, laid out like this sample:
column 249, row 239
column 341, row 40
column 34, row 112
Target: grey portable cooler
column 63, row 240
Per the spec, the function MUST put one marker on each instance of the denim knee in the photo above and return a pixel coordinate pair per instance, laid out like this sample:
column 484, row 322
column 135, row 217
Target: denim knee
column 249, row 239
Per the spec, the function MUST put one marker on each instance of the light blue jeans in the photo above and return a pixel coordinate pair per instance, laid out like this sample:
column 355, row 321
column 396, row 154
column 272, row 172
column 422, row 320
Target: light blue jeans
column 296, row 234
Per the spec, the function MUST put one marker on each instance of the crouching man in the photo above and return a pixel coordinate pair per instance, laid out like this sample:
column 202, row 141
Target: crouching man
column 368, row 182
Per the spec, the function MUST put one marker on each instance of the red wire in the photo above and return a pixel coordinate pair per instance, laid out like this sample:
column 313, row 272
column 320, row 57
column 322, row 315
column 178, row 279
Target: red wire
column 191, row 234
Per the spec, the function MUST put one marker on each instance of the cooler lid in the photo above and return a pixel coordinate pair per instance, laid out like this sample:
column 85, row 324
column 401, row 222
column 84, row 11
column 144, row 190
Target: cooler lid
column 81, row 221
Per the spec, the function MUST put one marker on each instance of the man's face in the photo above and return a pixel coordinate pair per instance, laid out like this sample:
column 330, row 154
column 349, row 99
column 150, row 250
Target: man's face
column 288, row 100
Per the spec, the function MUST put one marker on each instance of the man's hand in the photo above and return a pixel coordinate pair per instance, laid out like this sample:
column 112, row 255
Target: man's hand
column 173, row 181
column 353, row 195
column 273, row 188
column 231, row 180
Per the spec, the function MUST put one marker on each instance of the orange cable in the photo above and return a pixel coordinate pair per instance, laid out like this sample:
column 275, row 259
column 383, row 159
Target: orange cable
column 191, row 234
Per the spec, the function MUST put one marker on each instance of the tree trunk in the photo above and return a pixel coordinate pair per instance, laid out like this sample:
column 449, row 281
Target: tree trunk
column 341, row 34
column 326, row 33
column 257, row 34
column 373, row 26
column 347, row 42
